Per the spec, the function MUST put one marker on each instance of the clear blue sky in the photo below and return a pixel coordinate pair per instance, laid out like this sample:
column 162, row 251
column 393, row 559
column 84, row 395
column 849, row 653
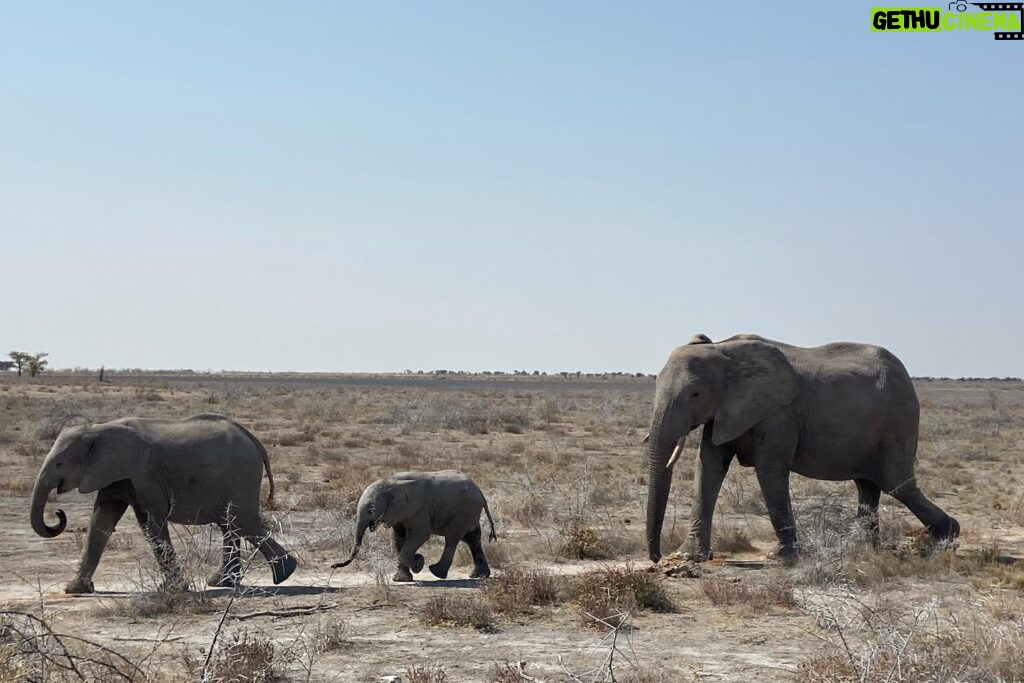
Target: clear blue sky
column 465, row 185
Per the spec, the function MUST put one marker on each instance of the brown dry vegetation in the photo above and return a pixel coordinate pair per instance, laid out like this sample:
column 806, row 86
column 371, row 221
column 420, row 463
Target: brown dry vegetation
column 563, row 468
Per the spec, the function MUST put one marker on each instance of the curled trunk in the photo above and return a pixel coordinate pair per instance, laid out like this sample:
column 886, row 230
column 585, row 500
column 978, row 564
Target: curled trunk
column 39, row 525
column 364, row 522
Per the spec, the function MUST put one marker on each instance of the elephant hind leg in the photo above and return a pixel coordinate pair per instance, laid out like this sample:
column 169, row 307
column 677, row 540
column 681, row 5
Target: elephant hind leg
column 480, row 568
column 154, row 526
column 230, row 573
column 282, row 563
column 868, row 495
column 941, row 526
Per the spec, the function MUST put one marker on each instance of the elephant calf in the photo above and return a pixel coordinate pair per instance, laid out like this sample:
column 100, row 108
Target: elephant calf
column 418, row 504
column 205, row 469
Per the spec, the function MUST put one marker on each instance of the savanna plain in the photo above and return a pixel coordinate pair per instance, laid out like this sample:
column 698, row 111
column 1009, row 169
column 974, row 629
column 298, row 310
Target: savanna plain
column 572, row 597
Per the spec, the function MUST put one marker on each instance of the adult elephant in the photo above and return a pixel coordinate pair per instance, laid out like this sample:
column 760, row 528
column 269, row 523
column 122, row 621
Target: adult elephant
column 836, row 412
column 206, row 469
column 417, row 504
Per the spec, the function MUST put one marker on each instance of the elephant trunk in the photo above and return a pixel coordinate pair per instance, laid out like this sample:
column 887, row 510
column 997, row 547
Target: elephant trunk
column 39, row 525
column 364, row 522
column 665, row 443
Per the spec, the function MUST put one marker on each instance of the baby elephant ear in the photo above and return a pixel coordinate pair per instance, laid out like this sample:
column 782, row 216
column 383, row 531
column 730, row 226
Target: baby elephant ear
column 700, row 339
column 117, row 454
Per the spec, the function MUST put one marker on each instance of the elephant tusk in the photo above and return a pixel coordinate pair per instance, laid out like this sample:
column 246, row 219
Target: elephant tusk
column 675, row 454
column 646, row 438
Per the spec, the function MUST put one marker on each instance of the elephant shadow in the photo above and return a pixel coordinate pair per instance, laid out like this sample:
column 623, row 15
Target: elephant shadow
column 448, row 583
column 246, row 591
column 275, row 591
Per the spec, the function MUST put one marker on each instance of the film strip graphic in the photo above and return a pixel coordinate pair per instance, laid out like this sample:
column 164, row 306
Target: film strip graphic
column 1003, row 7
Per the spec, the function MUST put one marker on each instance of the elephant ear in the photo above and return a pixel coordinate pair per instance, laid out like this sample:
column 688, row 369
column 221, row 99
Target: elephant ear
column 117, row 453
column 759, row 381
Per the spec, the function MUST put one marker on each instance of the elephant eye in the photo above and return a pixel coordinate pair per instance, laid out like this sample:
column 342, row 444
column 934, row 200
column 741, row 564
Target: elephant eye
column 59, row 465
column 695, row 394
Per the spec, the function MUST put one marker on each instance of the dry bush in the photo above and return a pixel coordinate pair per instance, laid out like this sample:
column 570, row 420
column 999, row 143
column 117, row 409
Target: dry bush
column 729, row 539
column 582, row 542
column 61, row 415
column 445, row 610
column 518, row 591
column 912, row 644
column 775, row 591
column 425, row 674
column 244, row 658
column 607, row 592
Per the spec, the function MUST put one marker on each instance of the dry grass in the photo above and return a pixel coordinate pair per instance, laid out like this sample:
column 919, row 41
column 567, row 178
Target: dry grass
column 757, row 594
column 607, row 592
column 519, row 591
column 565, row 479
column 446, row 610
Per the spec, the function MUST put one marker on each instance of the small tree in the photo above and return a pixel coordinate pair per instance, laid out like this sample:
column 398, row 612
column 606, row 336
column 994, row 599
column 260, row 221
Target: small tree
column 37, row 363
column 20, row 359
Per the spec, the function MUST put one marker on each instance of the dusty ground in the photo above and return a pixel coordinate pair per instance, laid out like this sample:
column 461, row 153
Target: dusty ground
column 563, row 467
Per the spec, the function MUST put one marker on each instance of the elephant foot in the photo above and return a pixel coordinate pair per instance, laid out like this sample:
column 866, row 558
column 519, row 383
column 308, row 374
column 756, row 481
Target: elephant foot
column 282, row 567
column 79, row 585
column 947, row 531
column 786, row 553
column 403, row 575
column 222, row 580
column 436, row 570
column 699, row 555
column 417, row 563
column 480, row 572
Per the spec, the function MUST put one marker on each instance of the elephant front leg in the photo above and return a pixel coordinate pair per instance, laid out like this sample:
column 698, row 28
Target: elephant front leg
column 402, row 573
column 710, row 470
column 415, row 536
column 106, row 513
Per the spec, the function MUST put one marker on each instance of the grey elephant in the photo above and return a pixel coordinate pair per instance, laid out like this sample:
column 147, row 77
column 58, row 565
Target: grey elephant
column 836, row 412
column 418, row 504
column 205, row 469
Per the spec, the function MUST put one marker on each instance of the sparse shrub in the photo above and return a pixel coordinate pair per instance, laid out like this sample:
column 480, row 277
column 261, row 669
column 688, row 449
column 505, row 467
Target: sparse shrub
column 605, row 593
column 917, row 645
column 445, row 610
column 759, row 596
column 245, row 658
column 581, row 542
column 60, row 416
column 730, row 539
column 425, row 674
column 518, row 591
column 507, row 672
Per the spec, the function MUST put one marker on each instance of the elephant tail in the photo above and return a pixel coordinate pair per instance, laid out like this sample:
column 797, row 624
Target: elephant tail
column 493, row 536
column 266, row 461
